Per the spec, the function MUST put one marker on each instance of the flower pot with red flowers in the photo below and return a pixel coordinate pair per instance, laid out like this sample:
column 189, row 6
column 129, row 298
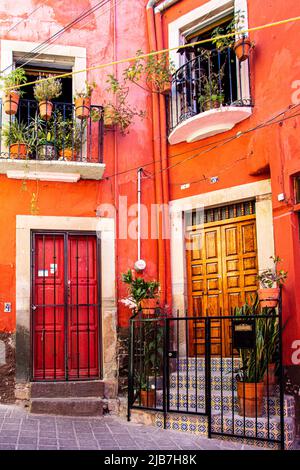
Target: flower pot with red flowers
column 45, row 91
column 271, row 279
column 12, row 91
column 83, row 101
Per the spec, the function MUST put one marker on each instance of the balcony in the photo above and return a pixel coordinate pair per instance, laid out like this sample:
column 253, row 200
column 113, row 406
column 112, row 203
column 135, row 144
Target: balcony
column 210, row 95
column 62, row 148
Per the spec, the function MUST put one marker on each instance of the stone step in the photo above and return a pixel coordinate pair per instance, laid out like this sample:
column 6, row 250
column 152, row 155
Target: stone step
column 198, row 425
column 67, row 406
column 227, row 364
column 88, row 388
column 271, row 406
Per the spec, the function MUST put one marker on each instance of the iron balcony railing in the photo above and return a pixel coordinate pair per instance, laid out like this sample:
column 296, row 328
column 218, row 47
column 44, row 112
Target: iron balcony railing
column 213, row 79
column 26, row 136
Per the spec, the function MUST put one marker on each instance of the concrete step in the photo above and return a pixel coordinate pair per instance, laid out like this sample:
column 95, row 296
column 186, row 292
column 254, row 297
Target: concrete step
column 67, row 406
column 271, row 406
column 88, row 388
column 198, row 425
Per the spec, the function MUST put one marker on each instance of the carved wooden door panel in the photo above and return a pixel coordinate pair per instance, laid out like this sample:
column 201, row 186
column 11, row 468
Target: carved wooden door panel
column 221, row 274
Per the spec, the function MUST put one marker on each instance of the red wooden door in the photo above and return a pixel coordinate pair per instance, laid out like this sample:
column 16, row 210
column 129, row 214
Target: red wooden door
column 65, row 307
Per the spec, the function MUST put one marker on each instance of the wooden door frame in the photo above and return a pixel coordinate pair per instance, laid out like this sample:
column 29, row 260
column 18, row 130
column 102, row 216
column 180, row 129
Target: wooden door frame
column 65, row 234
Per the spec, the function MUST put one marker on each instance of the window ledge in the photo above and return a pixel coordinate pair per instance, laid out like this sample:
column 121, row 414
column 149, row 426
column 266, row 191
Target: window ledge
column 209, row 123
column 54, row 170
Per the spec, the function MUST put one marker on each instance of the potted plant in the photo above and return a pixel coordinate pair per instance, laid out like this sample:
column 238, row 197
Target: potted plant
column 146, row 391
column 156, row 72
column 83, row 101
column 240, row 43
column 70, row 137
column 271, row 349
column 212, row 95
column 44, row 92
column 141, row 293
column 268, row 294
column 118, row 112
column 17, row 138
column 12, row 96
column 250, row 376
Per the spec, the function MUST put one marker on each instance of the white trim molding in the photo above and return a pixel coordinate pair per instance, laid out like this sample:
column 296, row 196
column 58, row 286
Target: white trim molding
column 260, row 191
column 105, row 229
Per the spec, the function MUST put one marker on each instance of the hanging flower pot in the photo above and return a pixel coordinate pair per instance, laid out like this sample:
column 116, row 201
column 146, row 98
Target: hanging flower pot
column 11, row 102
column 242, row 49
column 269, row 296
column 45, row 108
column 82, row 107
column 19, row 151
column 250, row 396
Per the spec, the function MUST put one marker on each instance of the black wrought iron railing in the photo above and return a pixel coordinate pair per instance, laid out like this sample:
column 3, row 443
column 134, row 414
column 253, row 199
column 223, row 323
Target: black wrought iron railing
column 213, row 79
column 227, row 369
column 64, row 137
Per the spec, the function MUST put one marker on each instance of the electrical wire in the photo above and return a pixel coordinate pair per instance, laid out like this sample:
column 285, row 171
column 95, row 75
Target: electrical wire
column 84, row 14
column 155, row 53
column 213, row 144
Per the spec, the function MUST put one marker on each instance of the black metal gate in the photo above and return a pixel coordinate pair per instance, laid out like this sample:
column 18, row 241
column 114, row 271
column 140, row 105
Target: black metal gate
column 239, row 396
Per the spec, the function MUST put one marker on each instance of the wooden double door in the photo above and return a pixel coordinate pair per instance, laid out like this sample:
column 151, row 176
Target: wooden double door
column 65, row 306
column 222, row 274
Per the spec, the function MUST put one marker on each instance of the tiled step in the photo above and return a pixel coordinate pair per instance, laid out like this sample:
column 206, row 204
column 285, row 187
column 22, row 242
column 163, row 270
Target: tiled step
column 88, row 388
column 193, row 363
column 192, row 381
column 67, row 406
column 271, row 406
column 198, row 425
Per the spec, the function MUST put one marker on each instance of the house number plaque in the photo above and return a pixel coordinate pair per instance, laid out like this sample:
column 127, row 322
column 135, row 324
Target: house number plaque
column 244, row 334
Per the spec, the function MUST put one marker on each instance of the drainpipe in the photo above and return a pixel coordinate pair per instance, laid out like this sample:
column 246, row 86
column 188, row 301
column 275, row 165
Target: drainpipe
column 160, row 147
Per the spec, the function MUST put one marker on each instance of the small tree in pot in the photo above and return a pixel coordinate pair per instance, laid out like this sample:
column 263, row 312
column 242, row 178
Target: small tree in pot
column 268, row 294
column 44, row 92
column 140, row 291
column 12, row 96
column 83, row 100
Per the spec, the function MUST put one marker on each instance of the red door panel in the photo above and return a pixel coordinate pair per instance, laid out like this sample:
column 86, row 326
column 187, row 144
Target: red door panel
column 83, row 311
column 49, row 310
column 65, row 307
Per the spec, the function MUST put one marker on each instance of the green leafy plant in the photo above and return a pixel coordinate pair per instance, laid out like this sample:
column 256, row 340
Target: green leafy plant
column 155, row 71
column 272, row 276
column 13, row 80
column 254, row 361
column 118, row 111
column 212, row 88
column 17, row 133
column 139, row 289
column 69, row 133
column 87, row 91
column 47, row 89
column 235, row 26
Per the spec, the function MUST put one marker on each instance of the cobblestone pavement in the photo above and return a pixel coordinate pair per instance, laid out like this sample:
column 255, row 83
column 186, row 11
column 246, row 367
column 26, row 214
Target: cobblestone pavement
column 22, row 430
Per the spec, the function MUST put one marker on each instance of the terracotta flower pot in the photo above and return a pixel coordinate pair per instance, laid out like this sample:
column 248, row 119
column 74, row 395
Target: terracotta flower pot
column 167, row 88
column 242, row 49
column 82, row 107
column 148, row 398
column 268, row 297
column 11, row 102
column 211, row 104
column 45, row 108
column 250, row 397
column 67, row 154
column 18, row 151
column 150, row 304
